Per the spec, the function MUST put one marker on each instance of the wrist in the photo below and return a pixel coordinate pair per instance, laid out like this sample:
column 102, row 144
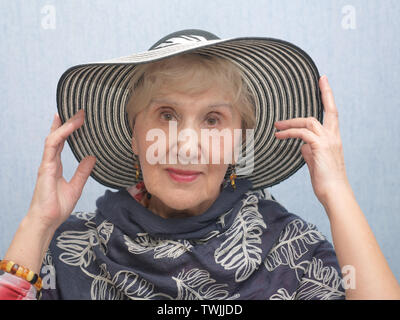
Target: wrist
column 35, row 221
column 338, row 193
column 30, row 243
column 40, row 232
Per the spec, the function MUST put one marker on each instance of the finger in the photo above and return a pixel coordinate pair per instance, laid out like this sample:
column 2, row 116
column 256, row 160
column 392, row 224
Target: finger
column 59, row 150
column 58, row 136
column 56, row 123
column 82, row 173
column 331, row 121
column 310, row 123
column 306, row 135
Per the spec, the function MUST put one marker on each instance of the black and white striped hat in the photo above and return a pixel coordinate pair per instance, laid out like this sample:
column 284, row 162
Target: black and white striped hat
column 282, row 77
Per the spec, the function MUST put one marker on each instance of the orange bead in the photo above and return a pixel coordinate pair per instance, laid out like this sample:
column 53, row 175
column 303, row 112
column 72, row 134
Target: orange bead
column 14, row 268
column 25, row 273
column 38, row 284
column 19, row 271
column 30, row 275
column 9, row 266
column 3, row 264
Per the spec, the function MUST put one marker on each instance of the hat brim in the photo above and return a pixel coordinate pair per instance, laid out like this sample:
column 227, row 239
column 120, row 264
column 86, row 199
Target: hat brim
column 282, row 77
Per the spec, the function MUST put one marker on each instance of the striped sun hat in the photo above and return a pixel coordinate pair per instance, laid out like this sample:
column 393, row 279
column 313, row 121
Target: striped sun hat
column 281, row 76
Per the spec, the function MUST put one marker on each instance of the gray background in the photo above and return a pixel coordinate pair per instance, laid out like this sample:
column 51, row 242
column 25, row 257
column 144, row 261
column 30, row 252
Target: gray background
column 357, row 49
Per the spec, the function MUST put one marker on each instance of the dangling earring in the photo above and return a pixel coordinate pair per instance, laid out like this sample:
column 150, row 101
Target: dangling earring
column 139, row 184
column 145, row 193
column 137, row 169
column 233, row 176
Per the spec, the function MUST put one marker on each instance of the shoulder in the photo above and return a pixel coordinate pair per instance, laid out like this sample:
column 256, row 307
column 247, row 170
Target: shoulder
column 278, row 217
column 83, row 228
column 286, row 233
column 73, row 245
column 299, row 248
column 299, row 235
column 275, row 215
column 79, row 226
column 77, row 237
column 83, row 224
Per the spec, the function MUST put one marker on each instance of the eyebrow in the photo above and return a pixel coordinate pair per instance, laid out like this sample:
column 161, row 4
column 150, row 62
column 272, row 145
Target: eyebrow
column 170, row 102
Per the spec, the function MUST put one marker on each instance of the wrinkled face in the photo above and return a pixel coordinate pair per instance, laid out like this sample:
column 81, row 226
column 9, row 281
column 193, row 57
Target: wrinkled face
column 182, row 185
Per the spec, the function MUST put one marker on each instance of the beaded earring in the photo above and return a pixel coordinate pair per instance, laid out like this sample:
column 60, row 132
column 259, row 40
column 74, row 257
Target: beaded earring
column 233, row 176
column 145, row 192
column 137, row 169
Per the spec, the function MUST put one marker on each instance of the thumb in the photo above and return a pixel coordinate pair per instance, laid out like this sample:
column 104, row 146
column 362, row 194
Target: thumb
column 82, row 173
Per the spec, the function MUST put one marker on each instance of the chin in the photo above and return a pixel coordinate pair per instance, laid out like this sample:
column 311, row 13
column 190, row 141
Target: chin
column 181, row 200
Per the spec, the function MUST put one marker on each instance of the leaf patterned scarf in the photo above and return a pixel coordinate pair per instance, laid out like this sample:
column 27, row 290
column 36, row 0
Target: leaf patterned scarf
column 245, row 246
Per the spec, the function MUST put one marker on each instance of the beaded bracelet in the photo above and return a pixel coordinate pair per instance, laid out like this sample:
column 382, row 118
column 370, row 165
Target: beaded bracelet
column 22, row 272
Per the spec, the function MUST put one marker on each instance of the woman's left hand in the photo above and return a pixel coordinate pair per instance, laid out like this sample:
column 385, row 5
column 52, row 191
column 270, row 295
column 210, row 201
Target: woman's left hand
column 322, row 150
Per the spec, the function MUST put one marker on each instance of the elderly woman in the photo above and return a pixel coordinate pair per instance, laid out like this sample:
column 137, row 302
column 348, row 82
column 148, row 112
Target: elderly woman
column 197, row 226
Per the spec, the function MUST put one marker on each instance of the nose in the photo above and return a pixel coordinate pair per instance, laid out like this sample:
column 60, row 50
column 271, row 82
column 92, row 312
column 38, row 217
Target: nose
column 188, row 143
column 183, row 144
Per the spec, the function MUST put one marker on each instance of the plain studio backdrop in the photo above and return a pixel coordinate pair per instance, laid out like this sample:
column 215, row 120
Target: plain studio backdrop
column 355, row 43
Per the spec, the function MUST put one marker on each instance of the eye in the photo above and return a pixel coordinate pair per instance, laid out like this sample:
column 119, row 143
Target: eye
column 212, row 120
column 166, row 115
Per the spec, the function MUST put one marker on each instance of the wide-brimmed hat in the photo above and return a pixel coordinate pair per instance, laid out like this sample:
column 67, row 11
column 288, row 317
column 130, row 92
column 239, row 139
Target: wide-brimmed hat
column 282, row 78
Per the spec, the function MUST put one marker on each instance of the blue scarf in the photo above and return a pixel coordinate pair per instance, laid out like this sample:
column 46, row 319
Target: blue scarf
column 245, row 246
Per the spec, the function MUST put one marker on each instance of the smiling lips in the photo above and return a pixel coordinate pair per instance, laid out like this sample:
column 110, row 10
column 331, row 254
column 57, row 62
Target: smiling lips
column 183, row 175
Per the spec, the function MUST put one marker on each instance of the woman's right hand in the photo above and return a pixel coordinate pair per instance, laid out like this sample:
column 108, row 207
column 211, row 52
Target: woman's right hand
column 54, row 198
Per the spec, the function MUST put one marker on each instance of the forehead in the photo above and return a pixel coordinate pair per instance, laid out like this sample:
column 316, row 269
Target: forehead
column 211, row 98
column 205, row 92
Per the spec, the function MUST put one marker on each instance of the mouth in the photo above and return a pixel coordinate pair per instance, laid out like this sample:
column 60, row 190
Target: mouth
column 183, row 175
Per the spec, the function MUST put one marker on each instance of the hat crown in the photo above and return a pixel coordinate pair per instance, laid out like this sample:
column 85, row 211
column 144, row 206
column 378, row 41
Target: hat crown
column 184, row 36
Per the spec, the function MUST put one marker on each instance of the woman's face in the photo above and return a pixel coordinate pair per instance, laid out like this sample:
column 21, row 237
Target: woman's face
column 177, row 193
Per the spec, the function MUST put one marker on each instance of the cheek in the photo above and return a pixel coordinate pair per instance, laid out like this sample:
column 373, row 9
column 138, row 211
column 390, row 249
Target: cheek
column 149, row 152
column 215, row 175
column 154, row 177
column 152, row 144
column 225, row 150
